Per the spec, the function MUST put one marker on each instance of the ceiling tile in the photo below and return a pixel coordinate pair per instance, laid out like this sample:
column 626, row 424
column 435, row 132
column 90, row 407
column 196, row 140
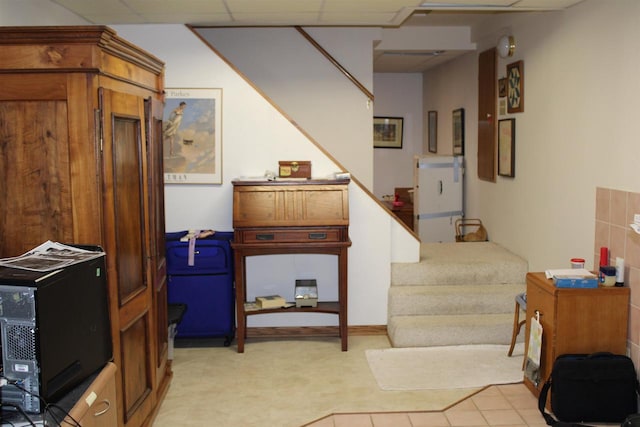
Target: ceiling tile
column 359, row 18
column 273, row 6
column 94, row 6
column 546, row 4
column 472, row 3
column 193, row 19
column 275, row 18
column 368, row 5
column 188, row 7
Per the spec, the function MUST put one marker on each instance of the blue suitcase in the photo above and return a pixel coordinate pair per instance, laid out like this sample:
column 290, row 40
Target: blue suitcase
column 205, row 285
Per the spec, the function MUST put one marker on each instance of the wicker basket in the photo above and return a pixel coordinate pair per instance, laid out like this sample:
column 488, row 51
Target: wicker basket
column 470, row 230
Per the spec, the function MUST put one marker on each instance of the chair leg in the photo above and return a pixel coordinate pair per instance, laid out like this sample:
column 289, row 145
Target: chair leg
column 516, row 328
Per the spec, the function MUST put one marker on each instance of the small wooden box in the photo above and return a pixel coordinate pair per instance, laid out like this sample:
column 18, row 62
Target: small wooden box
column 294, row 169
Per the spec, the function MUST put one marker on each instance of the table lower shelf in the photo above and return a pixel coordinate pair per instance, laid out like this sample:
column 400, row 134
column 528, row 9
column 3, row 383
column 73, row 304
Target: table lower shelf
column 331, row 307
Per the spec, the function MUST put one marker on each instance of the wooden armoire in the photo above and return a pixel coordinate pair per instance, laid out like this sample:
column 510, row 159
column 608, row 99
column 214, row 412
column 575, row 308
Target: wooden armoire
column 81, row 162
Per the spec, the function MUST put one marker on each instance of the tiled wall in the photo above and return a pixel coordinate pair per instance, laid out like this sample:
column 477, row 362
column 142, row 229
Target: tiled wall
column 614, row 213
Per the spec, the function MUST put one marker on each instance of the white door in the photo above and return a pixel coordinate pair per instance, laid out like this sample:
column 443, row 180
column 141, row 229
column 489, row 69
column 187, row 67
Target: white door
column 439, row 181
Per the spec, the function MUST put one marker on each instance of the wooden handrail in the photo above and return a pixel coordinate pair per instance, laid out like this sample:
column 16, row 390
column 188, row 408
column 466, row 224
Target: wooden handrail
column 335, row 63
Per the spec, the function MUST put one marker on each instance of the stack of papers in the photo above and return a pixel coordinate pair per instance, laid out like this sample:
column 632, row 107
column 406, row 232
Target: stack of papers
column 570, row 272
column 50, row 256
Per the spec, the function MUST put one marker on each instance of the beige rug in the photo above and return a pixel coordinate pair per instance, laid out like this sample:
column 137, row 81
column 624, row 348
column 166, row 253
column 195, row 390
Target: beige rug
column 452, row 367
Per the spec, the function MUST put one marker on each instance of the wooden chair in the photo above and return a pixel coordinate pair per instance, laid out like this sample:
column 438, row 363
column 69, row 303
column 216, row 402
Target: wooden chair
column 521, row 304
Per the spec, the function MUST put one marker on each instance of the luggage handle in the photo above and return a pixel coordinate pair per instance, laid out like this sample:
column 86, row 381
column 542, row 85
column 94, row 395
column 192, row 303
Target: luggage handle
column 599, row 354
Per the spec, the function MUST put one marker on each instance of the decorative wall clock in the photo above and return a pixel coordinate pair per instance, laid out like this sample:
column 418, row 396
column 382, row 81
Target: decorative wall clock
column 515, row 87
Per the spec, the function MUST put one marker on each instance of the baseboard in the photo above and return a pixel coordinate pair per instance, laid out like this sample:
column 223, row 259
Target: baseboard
column 314, row 331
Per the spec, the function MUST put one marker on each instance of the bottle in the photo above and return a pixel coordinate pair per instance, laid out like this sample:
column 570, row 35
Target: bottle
column 619, row 271
column 604, row 256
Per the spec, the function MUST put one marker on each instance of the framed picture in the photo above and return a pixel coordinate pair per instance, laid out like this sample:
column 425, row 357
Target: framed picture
column 433, row 131
column 502, row 87
column 502, row 107
column 507, row 147
column 458, row 132
column 387, row 132
column 515, row 87
column 192, row 136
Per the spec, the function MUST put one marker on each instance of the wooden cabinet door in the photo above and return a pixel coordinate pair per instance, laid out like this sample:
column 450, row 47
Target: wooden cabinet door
column 153, row 112
column 487, row 115
column 126, row 222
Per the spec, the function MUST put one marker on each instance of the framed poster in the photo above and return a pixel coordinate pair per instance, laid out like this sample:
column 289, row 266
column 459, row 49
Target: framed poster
column 192, row 136
column 433, row 131
column 387, row 132
column 458, row 132
column 507, row 147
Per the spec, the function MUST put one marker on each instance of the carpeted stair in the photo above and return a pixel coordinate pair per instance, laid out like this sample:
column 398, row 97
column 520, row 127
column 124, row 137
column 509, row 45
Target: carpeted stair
column 459, row 293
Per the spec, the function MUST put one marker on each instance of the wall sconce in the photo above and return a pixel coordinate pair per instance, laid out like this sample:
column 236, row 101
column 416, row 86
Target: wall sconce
column 506, row 46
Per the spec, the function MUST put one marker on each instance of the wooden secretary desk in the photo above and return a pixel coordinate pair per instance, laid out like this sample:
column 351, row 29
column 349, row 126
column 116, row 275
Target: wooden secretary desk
column 291, row 217
column 81, row 162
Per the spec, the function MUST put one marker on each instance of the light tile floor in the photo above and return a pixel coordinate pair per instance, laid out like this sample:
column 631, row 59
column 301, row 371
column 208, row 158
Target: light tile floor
column 510, row 405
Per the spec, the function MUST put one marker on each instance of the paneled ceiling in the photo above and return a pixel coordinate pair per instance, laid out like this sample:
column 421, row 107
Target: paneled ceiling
column 376, row 13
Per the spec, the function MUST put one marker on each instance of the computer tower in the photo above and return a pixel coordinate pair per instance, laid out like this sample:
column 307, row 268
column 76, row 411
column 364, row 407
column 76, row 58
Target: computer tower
column 55, row 331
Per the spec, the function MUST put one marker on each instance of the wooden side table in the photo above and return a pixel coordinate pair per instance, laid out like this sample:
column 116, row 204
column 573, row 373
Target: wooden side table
column 575, row 321
column 291, row 217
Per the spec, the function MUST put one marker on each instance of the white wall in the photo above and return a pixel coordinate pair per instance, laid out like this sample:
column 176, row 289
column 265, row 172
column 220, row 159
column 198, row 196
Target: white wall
column 449, row 87
column 307, row 87
column 398, row 95
column 578, row 130
column 255, row 136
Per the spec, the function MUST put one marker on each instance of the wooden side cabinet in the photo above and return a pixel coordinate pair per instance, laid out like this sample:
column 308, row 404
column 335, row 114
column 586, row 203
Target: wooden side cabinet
column 291, row 217
column 97, row 406
column 575, row 321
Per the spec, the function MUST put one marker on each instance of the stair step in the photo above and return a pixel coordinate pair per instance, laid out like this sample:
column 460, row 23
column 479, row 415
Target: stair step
column 453, row 299
column 428, row 331
column 461, row 264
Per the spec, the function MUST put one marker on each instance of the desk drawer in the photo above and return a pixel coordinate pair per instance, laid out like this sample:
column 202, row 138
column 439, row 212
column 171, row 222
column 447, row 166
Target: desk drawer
column 266, row 235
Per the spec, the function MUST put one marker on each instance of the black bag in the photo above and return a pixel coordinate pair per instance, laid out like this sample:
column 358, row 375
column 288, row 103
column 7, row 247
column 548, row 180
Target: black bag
column 599, row 387
column 632, row 420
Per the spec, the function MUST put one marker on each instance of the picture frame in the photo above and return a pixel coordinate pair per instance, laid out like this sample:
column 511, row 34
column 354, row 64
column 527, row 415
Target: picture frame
column 507, row 147
column 458, row 132
column 192, row 136
column 502, row 107
column 387, row 132
column 515, row 87
column 502, row 87
column 432, row 120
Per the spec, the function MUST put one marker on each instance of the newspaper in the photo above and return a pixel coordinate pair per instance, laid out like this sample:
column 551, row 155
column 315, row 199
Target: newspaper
column 50, row 256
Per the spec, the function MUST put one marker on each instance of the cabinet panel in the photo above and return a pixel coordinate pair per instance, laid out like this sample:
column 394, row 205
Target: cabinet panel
column 128, row 210
column 97, row 406
column 276, row 204
column 35, row 187
column 294, row 235
column 137, row 385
